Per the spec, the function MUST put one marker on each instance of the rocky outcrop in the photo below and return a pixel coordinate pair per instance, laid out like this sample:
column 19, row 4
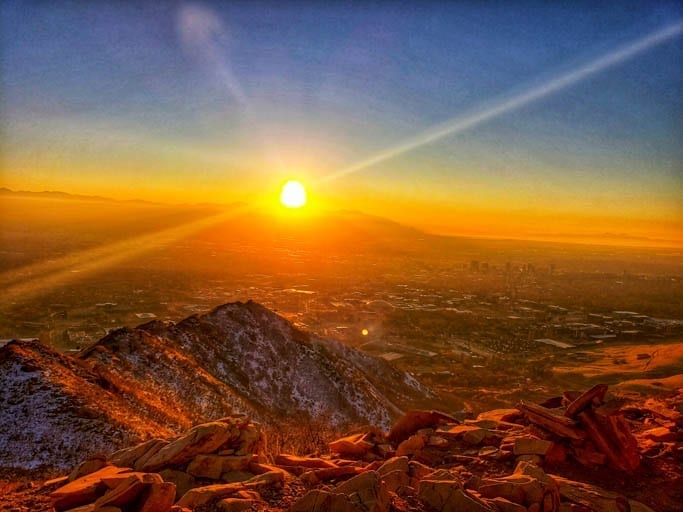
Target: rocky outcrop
column 189, row 468
column 427, row 462
column 593, row 434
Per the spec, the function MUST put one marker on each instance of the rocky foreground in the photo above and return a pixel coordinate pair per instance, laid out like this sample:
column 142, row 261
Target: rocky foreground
column 535, row 458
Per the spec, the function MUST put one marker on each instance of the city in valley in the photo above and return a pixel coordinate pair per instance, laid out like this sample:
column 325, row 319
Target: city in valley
column 482, row 322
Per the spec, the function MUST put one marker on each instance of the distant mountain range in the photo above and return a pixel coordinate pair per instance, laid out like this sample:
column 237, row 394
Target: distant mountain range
column 163, row 377
column 382, row 224
column 54, row 194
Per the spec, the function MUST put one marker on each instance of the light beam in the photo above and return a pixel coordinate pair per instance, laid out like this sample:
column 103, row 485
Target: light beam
column 462, row 123
column 27, row 282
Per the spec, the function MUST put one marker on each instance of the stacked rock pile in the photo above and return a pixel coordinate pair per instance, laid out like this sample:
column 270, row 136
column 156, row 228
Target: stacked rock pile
column 428, row 461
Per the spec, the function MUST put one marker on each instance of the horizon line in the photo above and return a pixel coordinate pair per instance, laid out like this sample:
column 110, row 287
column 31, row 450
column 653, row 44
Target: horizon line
column 605, row 239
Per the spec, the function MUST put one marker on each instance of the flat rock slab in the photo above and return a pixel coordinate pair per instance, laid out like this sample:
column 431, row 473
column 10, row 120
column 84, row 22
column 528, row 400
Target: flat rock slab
column 83, row 490
column 205, row 438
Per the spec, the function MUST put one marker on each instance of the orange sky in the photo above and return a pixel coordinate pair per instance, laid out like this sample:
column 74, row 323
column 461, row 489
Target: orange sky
column 457, row 118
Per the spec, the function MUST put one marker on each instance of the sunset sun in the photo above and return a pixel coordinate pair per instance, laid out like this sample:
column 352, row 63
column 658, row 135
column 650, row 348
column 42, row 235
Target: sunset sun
column 293, row 194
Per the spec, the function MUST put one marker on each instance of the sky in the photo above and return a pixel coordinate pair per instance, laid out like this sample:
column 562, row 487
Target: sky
column 222, row 102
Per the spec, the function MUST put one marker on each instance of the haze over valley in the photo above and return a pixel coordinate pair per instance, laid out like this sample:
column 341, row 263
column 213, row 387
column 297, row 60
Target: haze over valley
column 449, row 310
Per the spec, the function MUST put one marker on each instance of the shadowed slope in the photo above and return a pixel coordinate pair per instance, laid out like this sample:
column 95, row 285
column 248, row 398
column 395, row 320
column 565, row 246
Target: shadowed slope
column 162, row 377
column 55, row 410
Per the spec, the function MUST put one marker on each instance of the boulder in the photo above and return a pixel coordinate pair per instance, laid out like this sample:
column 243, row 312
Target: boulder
column 157, row 497
column 213, row 466
column 418, row 470
column 449, row 496
column 510, row 490
column 438, row 442
column 662, row 410
column 501, row 415
column 442, row 474
column 202, row 495
column 88, row 466
column 90, row 507
column 549, row 496
column 127, row 490
column 354, row 445
column 594, row 395
column 366, row 492
column 488, row 424
column 237, row 504
column 83, row 490
column 556, row 454
column 413, row 421
column 548, row 420
column 396, row 481
column 588, row 456
column 385, row 450
column 595, row 498
column 534, row 459
column 411, row 445
column 129, row 456
column 394, row 464
column 319, row 500
column 206, row 466
column 612, row 436
column 249, row 440
column 259, row 469
column 183, row 481
column 504, row 505
column 659, row 434
column 236, row 476
column 490, row 453
column 201, row 439
column 316, row 476
column 113, row 481
column 531, row 446
column 151, row 452
column 307, row 462
column 60, row 480
column 528, row 486
column 276, row 477
column 471, row 434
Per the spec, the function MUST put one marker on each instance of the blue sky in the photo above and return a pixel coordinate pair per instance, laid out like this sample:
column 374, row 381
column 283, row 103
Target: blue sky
column 126, row 99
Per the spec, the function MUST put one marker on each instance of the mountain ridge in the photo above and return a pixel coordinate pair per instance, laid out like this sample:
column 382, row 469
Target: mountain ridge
column 163, row 377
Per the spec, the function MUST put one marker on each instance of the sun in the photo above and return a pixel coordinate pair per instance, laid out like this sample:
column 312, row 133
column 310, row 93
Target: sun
column 293, row 194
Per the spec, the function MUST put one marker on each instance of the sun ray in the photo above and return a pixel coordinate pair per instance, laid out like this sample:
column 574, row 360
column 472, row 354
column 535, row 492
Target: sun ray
column 29, row 281
column 460, row 124
column 32, row 280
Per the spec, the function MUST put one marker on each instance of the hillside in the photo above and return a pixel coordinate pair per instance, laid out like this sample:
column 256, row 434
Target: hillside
column 55, row 409
column 580, row 452
column 160, row 378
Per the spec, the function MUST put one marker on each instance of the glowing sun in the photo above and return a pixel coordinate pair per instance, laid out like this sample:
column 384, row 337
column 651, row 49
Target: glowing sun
column 293, row 194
